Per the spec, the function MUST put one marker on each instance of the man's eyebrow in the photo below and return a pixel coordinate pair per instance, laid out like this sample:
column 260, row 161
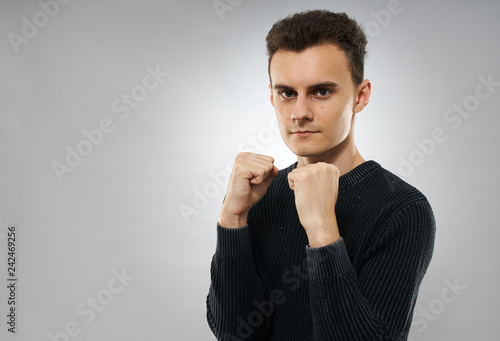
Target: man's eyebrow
column 282, row 87
column 310, row 87
column 323, row 85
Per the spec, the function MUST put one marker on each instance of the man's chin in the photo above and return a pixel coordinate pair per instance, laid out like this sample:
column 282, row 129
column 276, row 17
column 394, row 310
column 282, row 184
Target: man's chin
column 305, row 152
column 306, row 148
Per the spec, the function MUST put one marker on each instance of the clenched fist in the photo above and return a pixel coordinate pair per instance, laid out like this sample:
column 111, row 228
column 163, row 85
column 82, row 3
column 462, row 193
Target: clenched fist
column 316, row 190
column 250, row 178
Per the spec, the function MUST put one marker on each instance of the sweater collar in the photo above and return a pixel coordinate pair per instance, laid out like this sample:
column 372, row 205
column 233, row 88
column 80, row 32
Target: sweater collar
column 353, row 175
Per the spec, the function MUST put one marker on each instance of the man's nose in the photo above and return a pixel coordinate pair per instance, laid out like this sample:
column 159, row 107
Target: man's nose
column 302, row 109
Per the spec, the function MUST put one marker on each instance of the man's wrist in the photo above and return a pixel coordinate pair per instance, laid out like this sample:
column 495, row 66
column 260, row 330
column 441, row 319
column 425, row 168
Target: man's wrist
column 320, row 241
column 324, row 235
column 232, row 221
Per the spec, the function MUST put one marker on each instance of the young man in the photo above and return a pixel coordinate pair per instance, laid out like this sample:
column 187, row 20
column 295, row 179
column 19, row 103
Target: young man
column 333, row 247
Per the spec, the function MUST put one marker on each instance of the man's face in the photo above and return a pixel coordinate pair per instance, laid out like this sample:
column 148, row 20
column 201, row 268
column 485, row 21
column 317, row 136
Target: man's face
column 314, row 98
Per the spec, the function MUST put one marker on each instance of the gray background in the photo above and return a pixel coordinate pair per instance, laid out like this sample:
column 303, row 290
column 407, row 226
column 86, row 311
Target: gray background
column 120, row 207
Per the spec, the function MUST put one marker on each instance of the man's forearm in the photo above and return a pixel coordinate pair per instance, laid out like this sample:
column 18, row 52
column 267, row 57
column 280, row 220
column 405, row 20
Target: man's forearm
column 234, row 288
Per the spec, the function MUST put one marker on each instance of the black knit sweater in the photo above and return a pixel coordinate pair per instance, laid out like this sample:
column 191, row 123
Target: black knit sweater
column 268, row 284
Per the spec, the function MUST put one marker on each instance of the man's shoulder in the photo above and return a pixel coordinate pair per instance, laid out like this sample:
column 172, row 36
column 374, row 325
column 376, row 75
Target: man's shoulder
column 387, row 193
column 381, row 198
column 394, row 186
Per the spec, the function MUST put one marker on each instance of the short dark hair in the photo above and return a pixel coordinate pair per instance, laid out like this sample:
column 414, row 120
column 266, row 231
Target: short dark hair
column 302, row 30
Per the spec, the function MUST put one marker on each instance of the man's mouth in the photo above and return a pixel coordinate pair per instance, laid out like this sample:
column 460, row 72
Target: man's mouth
column 303, row 133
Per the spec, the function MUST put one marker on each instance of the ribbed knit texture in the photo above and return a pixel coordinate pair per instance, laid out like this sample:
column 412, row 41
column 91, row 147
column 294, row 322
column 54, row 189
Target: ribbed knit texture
column 268, row 284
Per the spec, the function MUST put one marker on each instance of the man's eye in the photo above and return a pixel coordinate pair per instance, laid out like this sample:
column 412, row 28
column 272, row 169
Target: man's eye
column 323, row 92
column 286, row 94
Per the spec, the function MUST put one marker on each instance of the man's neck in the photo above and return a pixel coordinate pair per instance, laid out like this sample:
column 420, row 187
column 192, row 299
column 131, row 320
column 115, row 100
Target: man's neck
column 345, row 156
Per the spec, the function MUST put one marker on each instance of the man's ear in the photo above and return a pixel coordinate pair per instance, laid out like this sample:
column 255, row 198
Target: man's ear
column 272, row 96
column 363, row 96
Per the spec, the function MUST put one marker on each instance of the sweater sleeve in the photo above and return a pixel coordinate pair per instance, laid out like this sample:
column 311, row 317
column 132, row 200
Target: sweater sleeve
column 234, row 289
column 377, row 301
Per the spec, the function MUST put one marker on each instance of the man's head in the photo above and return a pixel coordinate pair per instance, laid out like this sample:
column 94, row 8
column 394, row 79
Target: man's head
column 307, row 29
column 317, row 87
